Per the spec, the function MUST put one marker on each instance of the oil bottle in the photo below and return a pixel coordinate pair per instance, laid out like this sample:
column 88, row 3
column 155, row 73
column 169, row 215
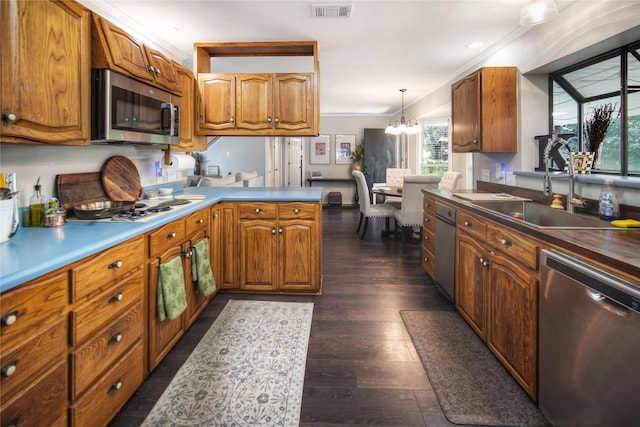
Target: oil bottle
column 36, row 206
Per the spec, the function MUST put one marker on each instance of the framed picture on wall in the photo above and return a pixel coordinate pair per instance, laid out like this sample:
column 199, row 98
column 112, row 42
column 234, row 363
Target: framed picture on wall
column 345, row 144
column 320, row 149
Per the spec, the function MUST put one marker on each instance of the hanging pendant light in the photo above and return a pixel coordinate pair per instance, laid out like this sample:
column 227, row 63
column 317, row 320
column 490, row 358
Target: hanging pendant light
column 398, row 127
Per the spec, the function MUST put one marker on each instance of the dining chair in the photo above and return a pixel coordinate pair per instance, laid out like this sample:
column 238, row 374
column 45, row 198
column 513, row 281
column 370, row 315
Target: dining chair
column 410, row 215
column 393, row 180
column 367, row 209
column 449, row 180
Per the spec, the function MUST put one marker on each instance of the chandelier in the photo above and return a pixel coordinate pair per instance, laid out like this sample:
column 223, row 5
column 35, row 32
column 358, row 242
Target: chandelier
column 402, row 126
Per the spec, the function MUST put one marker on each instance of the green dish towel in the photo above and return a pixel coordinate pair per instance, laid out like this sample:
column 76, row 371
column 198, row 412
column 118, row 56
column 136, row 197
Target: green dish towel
column 201, row 268
column 172, row 297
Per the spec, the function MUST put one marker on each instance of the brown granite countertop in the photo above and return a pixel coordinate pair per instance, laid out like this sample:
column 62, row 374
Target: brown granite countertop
column 619, row 248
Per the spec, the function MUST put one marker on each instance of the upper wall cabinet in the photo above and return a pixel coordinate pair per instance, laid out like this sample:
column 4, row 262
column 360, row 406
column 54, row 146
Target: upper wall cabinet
column 189, row 141
column 45, row 72
column 255, row 104
column 116, row 50
column 484, row 113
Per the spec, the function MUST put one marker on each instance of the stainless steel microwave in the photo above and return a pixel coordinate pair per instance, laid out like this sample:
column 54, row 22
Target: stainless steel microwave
column 124, row 110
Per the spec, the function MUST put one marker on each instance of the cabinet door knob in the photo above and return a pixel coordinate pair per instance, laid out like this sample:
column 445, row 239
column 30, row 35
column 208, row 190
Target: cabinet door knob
column 231, row 120
column 277, row 120
column 273, row 231
column 117, row 297
column 269, row 119
column 8, row 116
column 116, row 338
column 116, row 385
column 9, row 369
column 505, row 242
column 199, row 221
column 171, row 235
column 257, row 210
column 116, row 264
column 280, row 230
column 468, row 224
column 426, row 259
column 157, row 70
column 475, row 141
column 10, row 318
column 296, row 210
column 150, row 69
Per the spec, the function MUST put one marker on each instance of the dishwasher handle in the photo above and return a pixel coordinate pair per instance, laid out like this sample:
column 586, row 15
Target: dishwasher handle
column 613, row 293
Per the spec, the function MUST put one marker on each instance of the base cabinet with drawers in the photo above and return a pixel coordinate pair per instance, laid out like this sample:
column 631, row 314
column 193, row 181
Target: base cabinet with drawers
column 429, row 234
column 497, row 292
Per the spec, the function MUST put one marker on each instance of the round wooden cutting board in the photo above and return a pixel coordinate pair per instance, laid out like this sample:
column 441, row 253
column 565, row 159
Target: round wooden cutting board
column 121, row 180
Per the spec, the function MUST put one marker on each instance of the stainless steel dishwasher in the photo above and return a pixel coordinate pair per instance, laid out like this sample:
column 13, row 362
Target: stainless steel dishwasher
column 589, row 360
column 445, row 250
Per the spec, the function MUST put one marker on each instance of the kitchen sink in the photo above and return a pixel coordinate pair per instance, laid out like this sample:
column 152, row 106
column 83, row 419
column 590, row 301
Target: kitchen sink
column 543, row 216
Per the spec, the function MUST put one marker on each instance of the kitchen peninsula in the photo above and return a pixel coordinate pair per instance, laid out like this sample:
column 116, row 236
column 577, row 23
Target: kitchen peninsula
column 79, row 309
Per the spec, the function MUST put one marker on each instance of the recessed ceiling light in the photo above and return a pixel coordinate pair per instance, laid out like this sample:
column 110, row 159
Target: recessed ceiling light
column 475, row 45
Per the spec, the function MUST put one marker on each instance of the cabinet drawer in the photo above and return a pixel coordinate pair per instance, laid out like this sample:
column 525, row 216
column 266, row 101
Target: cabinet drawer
column 30, row 359
column 258, row 210
column 428, row 261
column 32, row 307
column 106, row 306
column 429, row 222
column 471, row 224
column 97, row 355
column 166, row 236
column 197, row 221
column 42, row 403
column 429, row 240
column 518, row 246
column 296, row 210
column 106, row 267
column 103, row 401
column 429, row 206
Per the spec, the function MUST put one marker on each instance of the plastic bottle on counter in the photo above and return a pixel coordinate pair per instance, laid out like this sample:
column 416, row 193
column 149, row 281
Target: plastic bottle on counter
column 36, row 207
column 608, row 205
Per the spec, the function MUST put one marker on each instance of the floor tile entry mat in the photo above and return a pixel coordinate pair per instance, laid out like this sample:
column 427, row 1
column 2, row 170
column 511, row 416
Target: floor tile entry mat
column 471, row 385
column 247, row 370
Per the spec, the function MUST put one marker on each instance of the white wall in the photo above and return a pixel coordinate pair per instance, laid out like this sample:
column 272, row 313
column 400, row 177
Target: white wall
column 238, row 154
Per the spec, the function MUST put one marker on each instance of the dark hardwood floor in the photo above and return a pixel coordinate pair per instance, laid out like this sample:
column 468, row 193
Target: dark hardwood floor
column 361, row 366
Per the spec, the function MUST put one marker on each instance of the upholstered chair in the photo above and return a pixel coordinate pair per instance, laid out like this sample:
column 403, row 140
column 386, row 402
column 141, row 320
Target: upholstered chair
column 450, row 180
column 394, row 178
column 367, row 209
column 410, row 214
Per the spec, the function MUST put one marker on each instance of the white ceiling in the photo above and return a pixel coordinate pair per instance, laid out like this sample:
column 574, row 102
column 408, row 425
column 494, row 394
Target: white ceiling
column 364, row 60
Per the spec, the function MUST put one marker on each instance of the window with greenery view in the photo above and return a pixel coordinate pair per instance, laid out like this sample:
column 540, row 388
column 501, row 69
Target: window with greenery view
column 608, row 87
column 434, row 156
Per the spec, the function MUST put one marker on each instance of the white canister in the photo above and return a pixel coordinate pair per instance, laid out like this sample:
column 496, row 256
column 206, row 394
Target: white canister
column 9, row 219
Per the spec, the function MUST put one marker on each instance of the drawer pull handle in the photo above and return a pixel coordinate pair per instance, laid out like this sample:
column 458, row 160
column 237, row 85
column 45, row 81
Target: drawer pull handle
column 426, row 259
column 116, row 385
column 116, row 338
column 115, row 298
column 426, row 237
column 468, row 224
column 10, row 319
column 171, row 235
column 257, row 210
column 505, row 242
column 116, row 264
column 10, row 369
column 427, row 220
column 199, row 221
column 296, row 210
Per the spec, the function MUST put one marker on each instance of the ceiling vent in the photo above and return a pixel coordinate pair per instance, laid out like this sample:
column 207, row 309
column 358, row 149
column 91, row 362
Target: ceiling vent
column 331, row 10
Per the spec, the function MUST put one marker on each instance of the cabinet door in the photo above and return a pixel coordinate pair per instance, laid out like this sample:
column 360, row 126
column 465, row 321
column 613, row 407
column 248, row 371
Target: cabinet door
column 298, row 255
column 127, row 55
column 189, row 141
column 196, row 302
column 254, row 101
column 293, row 106
column 465, row 114
column 471, row 279
column 162, row 334
column 513, row 319
column 163, row 70
column 258, row 257
column 218, row 107
column 228, row 250
column 45, row 72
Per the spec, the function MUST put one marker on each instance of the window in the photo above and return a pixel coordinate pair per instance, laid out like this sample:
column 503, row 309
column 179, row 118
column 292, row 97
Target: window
column 610, row 81
column 434, row 153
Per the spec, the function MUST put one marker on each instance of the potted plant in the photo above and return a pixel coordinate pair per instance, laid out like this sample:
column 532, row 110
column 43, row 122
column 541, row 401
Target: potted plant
column 357, row 155
column 596, row 127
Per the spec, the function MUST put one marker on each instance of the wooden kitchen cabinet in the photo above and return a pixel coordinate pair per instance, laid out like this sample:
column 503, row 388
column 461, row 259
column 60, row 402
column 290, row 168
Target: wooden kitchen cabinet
column 189, row 140
column 255, row 104
column 46, row 72
column 226, row 247
column 497, row 281
column 279, row 247
column 33, row 345
column 429, row 234
column 106, row 322
column 484, row 113
column 114, row 49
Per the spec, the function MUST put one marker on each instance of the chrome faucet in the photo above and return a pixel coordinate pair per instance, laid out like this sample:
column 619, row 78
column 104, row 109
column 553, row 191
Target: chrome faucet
column 573, row 199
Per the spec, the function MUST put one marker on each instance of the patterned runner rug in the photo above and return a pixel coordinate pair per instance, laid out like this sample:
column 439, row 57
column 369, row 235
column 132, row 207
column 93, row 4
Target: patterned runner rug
column 247, row 370
column 471, row 385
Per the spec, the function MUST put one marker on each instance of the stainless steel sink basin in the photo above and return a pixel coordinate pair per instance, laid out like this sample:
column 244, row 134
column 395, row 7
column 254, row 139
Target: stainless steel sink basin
column 543, row 216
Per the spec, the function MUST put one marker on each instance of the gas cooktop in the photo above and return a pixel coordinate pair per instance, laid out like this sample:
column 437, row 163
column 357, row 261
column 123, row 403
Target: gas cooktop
column 145, row 210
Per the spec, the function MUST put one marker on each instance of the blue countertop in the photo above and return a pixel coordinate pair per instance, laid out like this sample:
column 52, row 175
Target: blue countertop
column 33, row 252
